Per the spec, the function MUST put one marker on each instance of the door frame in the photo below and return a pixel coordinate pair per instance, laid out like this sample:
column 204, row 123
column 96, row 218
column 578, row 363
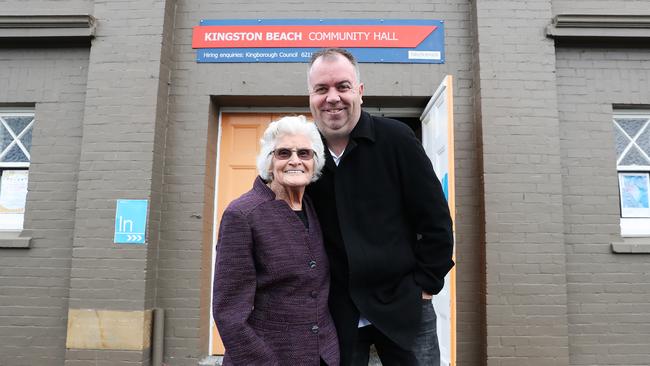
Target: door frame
column 215, row 203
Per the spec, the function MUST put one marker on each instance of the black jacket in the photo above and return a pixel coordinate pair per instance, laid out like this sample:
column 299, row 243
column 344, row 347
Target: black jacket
column 387, row 231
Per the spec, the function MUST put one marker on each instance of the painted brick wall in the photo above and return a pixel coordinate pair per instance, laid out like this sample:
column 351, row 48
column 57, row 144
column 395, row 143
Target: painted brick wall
column 121, row 158
column 545, row 177
column 117, row 152
column 34, row 282
column 632, row 7
column 525, row 256
column 609, row 294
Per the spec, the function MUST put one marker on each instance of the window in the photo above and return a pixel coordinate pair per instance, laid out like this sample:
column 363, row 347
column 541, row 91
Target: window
column 632, row 131
column 15, row 144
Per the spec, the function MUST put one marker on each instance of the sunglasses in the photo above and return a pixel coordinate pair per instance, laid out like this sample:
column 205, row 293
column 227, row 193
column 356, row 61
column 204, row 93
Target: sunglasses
column 284, row 154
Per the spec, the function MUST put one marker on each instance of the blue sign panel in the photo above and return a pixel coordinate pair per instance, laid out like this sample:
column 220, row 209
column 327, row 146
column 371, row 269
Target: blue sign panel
column 445, row 186
column 290, row 40
column 130, row 221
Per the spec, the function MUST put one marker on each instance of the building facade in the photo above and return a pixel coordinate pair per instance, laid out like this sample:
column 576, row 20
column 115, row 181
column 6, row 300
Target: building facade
column 104, row 100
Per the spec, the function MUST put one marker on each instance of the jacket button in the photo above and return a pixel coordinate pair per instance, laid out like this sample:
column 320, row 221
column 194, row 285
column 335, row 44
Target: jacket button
column 314, row 294
column 312, row 264
column 314, row 329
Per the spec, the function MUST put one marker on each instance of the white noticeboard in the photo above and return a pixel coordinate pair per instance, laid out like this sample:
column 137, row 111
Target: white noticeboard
column 13, row 193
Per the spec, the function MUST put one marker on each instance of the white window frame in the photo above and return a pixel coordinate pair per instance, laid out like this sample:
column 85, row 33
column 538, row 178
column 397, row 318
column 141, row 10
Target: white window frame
column 634, row 222
column 13, row 221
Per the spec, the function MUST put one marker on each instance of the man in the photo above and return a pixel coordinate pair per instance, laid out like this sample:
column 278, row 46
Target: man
column 385, row 222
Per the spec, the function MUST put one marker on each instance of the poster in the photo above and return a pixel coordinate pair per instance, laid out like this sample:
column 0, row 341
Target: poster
column 634, row 194
column 13, row 193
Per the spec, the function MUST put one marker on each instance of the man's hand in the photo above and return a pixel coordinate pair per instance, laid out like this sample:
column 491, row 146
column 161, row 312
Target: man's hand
column 426, row 296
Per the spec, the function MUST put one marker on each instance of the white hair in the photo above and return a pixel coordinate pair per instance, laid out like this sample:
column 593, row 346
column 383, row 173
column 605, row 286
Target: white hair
column 289, row 126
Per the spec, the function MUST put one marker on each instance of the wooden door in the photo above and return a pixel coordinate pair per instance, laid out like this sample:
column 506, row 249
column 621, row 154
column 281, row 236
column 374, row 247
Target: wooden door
column 239, row 144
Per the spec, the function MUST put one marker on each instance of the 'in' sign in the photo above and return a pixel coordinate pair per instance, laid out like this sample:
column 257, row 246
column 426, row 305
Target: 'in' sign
column 130, row 221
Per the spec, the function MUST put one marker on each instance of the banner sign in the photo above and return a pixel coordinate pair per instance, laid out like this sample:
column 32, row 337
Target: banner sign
column 285, row 40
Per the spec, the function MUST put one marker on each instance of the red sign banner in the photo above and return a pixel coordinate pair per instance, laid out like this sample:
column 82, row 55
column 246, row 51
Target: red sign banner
column 314, row 36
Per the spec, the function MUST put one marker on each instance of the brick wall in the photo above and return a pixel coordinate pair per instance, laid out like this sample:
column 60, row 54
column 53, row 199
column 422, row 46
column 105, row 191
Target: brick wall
column 632, row 7
column 34, row 282
column 124, row 128
column 526, row 305
column 142, row 125
column 608, row 294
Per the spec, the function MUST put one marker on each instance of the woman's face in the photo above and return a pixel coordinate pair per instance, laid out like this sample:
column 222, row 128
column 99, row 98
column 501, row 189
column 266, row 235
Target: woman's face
column 292, row 172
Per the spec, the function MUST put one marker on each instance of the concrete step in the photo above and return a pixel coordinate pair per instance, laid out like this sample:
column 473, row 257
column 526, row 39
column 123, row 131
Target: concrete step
column 216, row 360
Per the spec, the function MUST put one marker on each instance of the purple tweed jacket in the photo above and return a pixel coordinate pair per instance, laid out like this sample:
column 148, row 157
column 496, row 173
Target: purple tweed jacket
column 271, row 284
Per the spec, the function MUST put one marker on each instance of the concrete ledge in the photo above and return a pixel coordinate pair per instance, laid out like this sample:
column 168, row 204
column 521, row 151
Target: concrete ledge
column 632, row 246
column 576, row 26
column 14, row 27
column 15, row 239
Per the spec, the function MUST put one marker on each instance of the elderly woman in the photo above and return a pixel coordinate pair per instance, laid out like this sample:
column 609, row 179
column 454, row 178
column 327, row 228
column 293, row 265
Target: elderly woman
column 271, row 278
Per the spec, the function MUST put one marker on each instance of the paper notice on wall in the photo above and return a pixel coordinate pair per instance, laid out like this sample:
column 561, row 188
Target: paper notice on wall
column 13, row 191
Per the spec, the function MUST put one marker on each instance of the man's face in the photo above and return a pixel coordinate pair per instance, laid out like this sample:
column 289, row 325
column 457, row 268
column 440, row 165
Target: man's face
column 334, row 96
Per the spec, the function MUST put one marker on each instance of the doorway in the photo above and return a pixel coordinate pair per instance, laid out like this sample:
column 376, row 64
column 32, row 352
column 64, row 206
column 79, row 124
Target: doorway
column 238, row 145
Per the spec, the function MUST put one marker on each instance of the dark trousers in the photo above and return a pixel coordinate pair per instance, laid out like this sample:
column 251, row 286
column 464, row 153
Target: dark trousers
column 425, row 350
